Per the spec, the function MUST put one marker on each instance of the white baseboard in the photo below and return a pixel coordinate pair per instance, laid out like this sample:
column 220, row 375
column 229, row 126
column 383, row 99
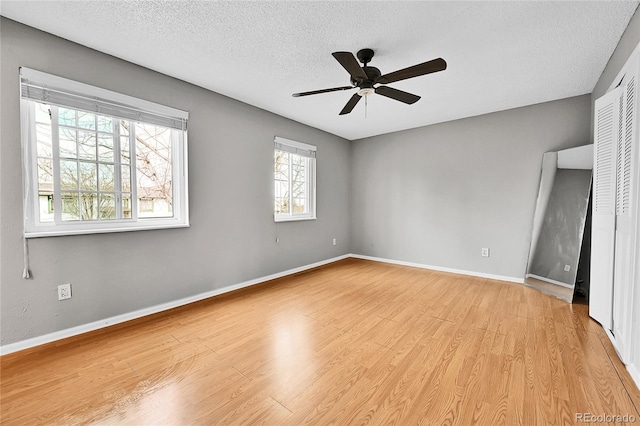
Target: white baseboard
column 634, row 373
column 96, row 325
column 441, row 269
column 631, row 368
column 618, row 347
column 549, row 280
column 615, row 343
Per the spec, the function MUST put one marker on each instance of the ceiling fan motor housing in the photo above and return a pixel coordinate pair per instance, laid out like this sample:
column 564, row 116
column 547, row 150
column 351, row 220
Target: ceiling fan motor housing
column 373, row 74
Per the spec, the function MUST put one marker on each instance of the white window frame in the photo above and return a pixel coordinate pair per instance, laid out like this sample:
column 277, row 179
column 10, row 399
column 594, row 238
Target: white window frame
column 304, row 150
column 129, row 106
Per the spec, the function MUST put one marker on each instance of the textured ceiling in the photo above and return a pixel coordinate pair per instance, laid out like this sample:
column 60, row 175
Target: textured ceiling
column 500, row 55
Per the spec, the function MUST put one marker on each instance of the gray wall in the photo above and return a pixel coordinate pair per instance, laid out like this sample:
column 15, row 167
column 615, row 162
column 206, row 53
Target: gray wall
column 436, row 195
column 232, row 233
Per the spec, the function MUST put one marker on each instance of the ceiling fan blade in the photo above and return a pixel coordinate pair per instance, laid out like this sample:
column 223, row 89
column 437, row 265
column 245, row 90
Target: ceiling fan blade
column 414, row 71
column 398, row 95
column 316, row 92
column 350, row 63
column 351, row 104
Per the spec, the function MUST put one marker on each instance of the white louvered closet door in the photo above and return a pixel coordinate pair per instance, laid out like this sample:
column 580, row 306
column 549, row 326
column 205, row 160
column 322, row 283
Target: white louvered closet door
column 615, row 214
column 625, row 217
column 607, row 112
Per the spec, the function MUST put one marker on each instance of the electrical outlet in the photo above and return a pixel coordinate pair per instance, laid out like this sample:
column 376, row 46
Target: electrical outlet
column 335, row 241
column 485, row 252
column 64, row 291
column 567, row 268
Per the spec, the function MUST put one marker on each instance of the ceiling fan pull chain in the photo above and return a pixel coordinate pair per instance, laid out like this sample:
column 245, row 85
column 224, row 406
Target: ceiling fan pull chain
column 365, row 106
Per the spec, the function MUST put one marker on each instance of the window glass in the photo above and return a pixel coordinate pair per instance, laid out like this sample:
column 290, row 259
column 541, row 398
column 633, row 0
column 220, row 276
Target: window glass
column 94, row 167
column 153, row 170
column 294, row 186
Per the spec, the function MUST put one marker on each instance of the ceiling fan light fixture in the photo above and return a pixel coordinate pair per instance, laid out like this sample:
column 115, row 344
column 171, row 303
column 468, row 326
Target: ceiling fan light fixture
column 366, row 91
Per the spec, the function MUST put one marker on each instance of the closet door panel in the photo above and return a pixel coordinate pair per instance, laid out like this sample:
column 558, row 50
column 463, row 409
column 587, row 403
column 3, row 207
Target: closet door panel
column 607, row 112
column 625, row 218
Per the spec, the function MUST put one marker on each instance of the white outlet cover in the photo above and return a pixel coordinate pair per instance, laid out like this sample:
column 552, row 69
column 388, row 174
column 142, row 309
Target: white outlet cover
column 64, row 291
column 567, row 268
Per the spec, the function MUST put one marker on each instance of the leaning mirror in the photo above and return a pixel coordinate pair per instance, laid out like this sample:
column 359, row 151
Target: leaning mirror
column 559, row 222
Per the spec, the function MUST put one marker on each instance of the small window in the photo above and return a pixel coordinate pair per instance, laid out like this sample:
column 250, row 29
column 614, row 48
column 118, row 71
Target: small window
column 97, row 164
column 294, row 180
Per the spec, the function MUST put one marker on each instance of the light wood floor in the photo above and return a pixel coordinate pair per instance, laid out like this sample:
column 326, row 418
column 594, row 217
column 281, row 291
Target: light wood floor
column 562, row 293
column 354, row 342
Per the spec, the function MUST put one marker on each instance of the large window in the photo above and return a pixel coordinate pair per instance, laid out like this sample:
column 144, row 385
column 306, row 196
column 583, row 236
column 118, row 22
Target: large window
column 98, row 161
column 294, row 180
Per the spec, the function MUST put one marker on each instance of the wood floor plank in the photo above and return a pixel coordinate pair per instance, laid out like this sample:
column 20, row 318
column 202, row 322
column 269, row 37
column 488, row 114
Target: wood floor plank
column 353, row 342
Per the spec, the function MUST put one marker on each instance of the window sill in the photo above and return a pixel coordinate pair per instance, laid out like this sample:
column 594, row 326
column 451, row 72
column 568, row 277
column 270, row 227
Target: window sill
column 293, row 218
column 76, row 231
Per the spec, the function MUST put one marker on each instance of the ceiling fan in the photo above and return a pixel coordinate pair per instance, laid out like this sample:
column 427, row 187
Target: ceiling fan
column 370, row 80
